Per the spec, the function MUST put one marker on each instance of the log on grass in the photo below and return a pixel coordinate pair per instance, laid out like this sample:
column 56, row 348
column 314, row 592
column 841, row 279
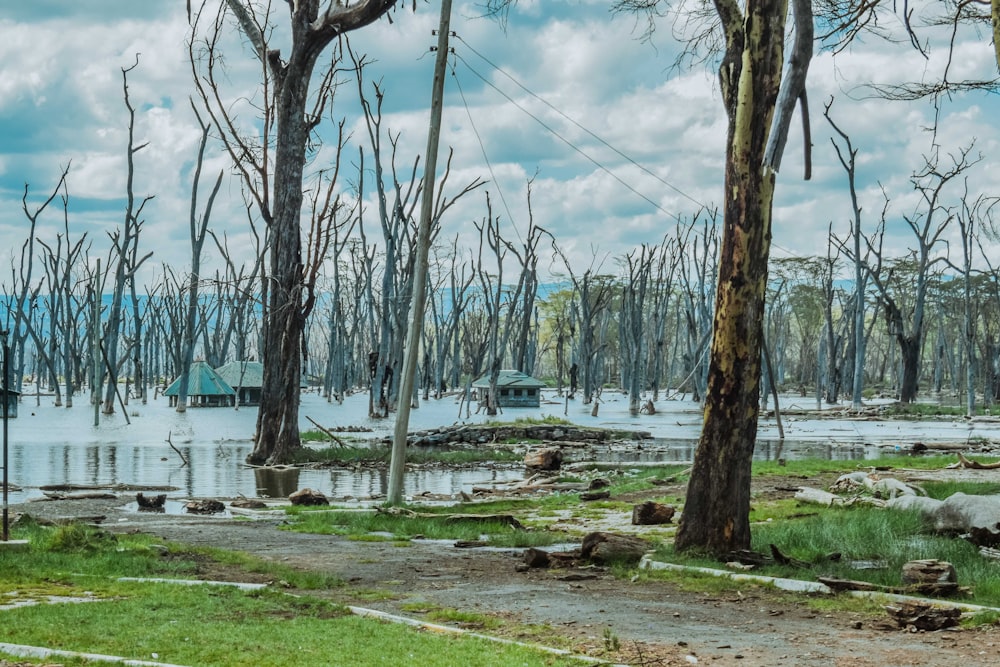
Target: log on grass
column 651, row 513
column 604, row 548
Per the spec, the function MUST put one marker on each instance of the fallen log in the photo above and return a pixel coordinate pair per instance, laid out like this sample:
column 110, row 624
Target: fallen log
column 606, row 548
column 89, row 495
column 974, row 465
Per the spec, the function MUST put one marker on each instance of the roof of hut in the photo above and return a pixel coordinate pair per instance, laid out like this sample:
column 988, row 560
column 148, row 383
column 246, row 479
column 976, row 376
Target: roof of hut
column 202, row 381
column 511, row 378
column 242, row 374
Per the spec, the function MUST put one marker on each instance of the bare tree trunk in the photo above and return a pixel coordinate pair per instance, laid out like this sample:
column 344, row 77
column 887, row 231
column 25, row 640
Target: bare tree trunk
column 716, row 512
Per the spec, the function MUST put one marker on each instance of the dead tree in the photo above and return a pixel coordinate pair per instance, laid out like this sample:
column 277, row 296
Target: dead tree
column 291, row 112
column 125, row 254
column 906, row 323
column 197, row 226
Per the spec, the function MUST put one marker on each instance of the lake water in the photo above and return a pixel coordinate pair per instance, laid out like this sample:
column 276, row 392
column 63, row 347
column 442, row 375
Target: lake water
column 49, row 445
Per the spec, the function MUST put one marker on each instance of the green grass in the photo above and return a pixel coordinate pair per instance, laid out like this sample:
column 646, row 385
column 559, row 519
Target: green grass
column 203, row 625
column 364, row 525
column 866, row 535
column 810, row 467
column 222, row 626
column 912, row 410
column 545, row 420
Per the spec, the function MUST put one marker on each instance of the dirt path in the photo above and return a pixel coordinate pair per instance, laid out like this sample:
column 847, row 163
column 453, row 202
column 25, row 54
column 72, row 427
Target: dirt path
column 656, row 622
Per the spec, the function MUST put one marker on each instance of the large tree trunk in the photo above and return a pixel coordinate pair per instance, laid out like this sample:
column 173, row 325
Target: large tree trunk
column 716, row 512
column 278, row 417
column 909, row 349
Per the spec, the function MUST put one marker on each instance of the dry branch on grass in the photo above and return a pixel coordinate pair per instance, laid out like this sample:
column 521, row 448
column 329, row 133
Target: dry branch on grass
column 964, row 462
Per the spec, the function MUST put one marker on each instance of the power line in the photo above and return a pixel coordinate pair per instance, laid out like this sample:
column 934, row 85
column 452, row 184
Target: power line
column 574, row 122
column 566, row 141
column 486, row 157
column 569, row 143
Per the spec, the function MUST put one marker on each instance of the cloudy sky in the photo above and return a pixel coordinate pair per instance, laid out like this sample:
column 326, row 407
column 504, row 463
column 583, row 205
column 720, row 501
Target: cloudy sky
column 620, row 143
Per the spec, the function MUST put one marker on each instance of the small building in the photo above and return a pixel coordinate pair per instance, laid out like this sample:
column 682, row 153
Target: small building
column 514, row 389
column 205, row 388
column 13, row 397
column 246, row 377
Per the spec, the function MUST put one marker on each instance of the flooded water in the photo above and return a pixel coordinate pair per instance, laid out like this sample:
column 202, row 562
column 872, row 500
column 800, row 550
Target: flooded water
column 60, row 446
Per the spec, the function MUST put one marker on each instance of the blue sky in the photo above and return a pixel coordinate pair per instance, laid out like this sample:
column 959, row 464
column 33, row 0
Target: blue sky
column 61, row 102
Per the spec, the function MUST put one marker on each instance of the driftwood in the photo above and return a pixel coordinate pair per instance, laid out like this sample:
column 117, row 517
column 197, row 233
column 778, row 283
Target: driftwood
column 86, row 495
column 107, row 487
column 326, row 432
column 506, row 519
column 605, row 548
column 923, row 616
column 595, row 495
column 974, row 465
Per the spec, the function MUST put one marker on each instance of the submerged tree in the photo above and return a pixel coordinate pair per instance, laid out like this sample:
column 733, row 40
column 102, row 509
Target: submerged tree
column 292, row 111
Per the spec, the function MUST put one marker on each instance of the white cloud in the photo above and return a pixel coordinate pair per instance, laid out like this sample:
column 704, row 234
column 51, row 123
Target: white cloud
column 64, row 102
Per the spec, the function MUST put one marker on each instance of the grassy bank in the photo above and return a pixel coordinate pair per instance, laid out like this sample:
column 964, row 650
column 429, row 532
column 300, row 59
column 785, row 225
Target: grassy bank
column 68, row 583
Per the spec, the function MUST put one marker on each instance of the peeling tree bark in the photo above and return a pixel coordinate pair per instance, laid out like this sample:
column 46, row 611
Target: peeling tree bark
column 716, row 513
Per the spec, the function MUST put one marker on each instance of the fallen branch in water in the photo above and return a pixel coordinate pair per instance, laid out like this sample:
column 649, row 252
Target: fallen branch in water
column 326, row 431
column 179, row 453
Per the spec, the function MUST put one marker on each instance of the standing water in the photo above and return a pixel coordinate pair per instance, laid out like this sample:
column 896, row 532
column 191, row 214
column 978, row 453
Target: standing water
column 60, row 446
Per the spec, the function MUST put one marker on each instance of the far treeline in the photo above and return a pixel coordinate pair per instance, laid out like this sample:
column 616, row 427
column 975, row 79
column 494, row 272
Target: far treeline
column 641, row 322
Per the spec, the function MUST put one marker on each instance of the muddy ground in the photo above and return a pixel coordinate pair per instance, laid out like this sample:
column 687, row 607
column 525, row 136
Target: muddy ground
column 656, row 623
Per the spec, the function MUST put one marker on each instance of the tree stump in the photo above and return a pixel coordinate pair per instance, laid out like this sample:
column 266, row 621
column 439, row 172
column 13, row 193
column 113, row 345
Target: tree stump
column 930, row 577
column 605, row 548
column 308, row 497
column 151, row 503
column 651, row 513
column 923, row 616
column 549, row 458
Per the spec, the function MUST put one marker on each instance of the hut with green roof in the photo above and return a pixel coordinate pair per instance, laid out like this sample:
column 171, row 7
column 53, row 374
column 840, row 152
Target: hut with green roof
column 514, row 389
column 206, row 389
column 246, row 377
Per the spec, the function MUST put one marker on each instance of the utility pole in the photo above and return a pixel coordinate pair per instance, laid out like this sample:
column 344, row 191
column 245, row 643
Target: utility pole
column 397, row 464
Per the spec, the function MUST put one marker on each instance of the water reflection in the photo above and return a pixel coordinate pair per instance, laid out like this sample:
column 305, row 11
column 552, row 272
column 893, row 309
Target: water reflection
column 218, row 469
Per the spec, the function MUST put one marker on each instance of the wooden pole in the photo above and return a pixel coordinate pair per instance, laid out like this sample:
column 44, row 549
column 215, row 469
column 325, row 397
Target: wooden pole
column 397, row 464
